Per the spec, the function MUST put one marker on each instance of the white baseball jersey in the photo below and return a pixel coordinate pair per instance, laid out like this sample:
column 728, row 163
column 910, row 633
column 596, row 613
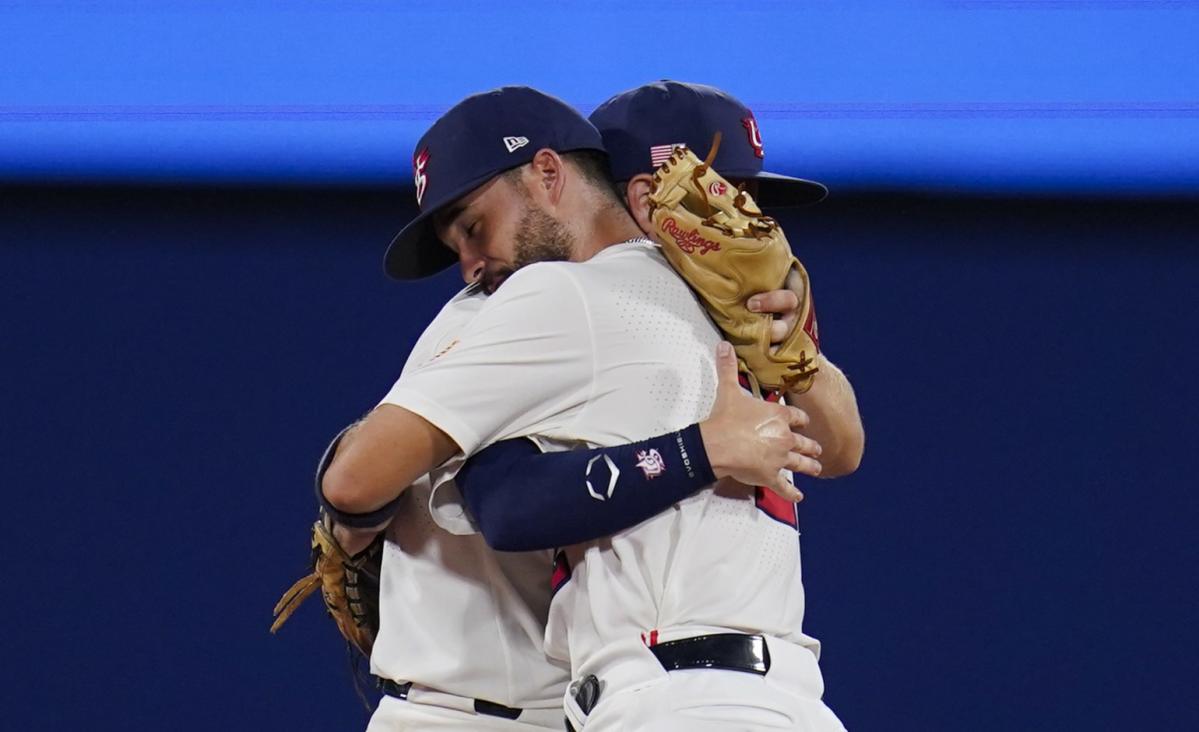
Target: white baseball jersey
column 456, row 616
column 605, row 352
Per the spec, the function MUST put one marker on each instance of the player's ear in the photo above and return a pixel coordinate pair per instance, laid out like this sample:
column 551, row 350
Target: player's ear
column 637, row 199
column 547, row 181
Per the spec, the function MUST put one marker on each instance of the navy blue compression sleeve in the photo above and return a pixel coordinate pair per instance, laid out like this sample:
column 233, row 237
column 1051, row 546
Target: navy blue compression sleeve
column 524, row 499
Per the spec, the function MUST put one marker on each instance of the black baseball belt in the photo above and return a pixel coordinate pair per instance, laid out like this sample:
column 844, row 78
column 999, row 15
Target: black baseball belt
column 727, row 651
column 482, row 706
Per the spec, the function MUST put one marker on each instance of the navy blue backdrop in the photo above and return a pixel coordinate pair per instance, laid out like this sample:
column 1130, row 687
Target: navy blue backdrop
column 1016, row 552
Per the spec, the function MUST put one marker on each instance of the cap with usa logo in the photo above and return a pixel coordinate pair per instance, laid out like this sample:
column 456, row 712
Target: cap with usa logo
column 476, row 140
column 642, row 126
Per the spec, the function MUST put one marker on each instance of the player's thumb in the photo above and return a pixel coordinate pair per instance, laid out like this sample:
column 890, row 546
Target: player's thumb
column 726, row 369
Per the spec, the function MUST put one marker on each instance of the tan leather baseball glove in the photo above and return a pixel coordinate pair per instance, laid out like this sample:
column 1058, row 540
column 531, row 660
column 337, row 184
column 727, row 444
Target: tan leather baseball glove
column 349, row 586
column 727, row 250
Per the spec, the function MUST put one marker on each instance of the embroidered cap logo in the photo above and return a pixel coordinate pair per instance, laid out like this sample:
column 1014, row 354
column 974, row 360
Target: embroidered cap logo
column 755, row 136
column 419, row 163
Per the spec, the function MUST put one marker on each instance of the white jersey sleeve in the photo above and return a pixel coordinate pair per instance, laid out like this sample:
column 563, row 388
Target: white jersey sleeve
column 456, row 616
column 442, row 332
column 443, row 499
column 524, row 365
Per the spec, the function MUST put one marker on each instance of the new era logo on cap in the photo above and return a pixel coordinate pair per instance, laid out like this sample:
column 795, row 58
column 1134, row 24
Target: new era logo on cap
column 515, row 143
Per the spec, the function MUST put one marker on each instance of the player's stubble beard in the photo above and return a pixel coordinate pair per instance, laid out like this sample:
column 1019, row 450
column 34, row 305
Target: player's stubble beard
column 539, row 238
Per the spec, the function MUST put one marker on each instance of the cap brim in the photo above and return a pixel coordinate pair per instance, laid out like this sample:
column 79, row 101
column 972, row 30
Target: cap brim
column 780, row 191
column 416, row 251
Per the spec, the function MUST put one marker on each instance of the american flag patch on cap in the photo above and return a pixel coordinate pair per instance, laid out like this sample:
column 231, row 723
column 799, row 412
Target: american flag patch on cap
column 659, row 153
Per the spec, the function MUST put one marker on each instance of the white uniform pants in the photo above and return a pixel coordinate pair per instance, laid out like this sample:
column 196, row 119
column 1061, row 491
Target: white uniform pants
column 643, row 697
column 711, row 700
column 398, row 715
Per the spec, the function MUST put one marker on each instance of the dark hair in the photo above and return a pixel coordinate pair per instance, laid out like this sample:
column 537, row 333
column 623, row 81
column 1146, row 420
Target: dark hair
column 593, row 165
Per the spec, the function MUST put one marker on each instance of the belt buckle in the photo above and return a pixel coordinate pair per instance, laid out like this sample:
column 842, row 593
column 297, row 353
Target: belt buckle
column 395, row 688
column 585, row 692
column 581, row 697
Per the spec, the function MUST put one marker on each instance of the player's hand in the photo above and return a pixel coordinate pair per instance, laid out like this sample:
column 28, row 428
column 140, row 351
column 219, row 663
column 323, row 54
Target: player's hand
column 783, row 305
column 753, row 441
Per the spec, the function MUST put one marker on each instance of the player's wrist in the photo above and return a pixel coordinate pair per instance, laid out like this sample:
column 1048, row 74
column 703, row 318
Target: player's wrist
column 694, row 454
column 713, row 439
column 351, row 540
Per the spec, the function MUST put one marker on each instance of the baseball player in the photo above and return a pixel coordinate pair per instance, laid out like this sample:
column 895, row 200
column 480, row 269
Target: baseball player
column 633, row 123
column 461, row 642
column 625, row 384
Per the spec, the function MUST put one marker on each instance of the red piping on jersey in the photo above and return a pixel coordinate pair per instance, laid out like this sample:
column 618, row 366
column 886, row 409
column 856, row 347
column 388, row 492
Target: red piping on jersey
column 562, row 571
column 769, row 502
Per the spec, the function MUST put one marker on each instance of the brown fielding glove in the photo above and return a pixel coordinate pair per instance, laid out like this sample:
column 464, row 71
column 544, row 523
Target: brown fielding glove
column 727, row 250
column 349, row 585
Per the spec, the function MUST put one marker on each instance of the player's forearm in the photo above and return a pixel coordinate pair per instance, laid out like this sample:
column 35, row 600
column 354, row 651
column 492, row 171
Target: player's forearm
column 523, row 499
column 379, row 458
column 353, row 532
column 835, row 421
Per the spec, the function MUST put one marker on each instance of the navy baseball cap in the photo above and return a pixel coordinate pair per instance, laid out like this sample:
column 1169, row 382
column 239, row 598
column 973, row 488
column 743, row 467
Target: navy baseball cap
column 476, row 140
column 641, row 127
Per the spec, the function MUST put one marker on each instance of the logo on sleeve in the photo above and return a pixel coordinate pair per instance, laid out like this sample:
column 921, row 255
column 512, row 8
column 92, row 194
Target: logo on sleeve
column 651, row 463
column 515, row 143
column 444, row 350
column 678, row 438
column 755, row 136
column 613, row 476
column 419, row 163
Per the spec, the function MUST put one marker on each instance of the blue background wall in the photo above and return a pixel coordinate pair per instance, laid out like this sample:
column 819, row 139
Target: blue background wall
column 196, row 203
column 1016, row 552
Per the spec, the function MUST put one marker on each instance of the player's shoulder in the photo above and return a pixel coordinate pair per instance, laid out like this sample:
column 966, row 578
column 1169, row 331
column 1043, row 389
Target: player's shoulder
column 624, row 254
column 640, row 259
column 459, row 310
column 628, row 260
column 448, row 324
column 537, row 280
column 468, row 299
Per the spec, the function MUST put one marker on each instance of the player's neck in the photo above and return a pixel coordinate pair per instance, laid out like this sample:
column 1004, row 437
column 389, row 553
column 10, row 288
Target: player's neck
column 612, row 226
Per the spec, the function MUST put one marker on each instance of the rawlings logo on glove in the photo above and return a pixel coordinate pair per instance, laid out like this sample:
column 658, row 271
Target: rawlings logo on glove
column 741, row 253
column 688, row 241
